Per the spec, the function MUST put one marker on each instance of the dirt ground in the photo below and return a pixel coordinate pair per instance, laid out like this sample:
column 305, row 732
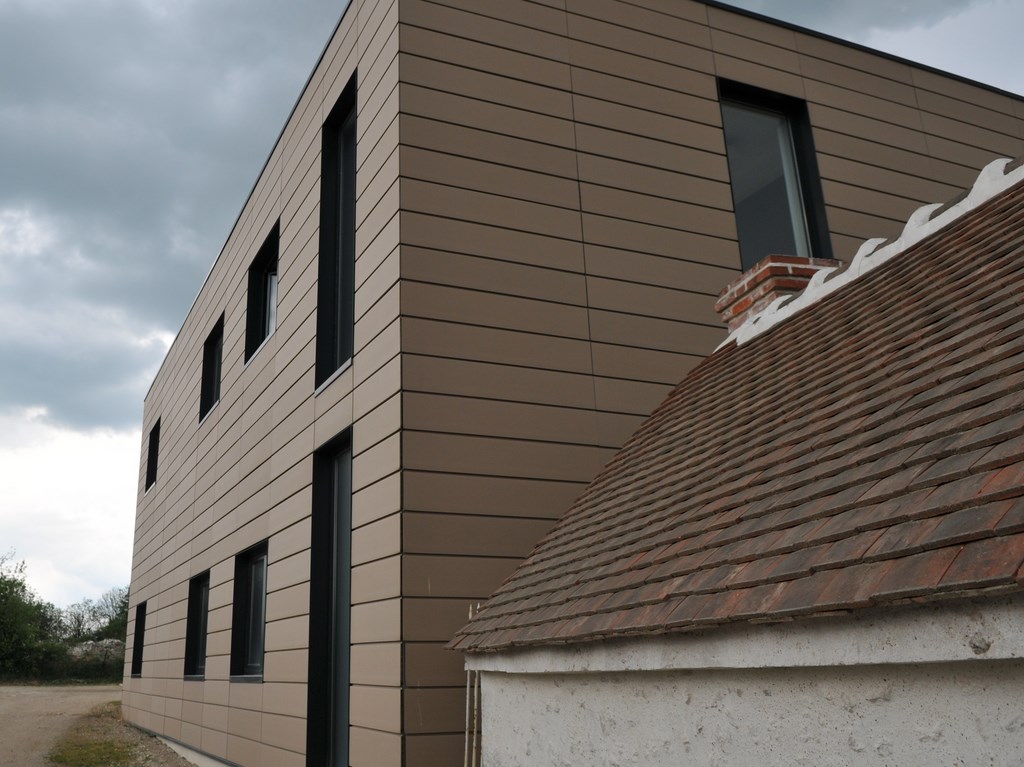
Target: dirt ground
column 32, row 719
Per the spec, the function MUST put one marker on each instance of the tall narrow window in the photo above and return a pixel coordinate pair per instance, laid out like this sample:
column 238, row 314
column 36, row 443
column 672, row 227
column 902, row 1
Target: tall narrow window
column 195, row 625
column 261, row 307
column 772, row 168
column 152, row 454
column 140, row 638
column 213, row 351
column 248, row 624
column 330, row 606
column 336, row 275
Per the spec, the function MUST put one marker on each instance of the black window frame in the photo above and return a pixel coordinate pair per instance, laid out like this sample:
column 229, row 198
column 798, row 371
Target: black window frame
column 153, row 454
column 335, row 316
column 806, row 158
column 249, row 615
column 139, row 643
column 261, row 302
column 196, row 626
column 330, row 594
column 213, row 363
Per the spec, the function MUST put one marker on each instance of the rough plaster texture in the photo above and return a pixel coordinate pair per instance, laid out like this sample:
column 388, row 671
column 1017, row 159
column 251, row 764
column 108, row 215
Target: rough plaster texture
column 962, row 713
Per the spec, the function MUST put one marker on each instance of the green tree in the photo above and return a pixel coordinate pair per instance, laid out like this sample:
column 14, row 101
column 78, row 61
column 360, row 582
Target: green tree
column 24, row 619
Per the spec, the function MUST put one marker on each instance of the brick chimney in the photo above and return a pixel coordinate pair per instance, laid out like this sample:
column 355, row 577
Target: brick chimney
column 770, row 278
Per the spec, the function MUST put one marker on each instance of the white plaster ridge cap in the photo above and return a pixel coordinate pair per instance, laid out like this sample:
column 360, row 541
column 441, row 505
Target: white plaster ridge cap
column 923, row 222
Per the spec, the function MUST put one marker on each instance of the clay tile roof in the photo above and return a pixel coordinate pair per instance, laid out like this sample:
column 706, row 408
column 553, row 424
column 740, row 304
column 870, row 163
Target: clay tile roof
column 867, row 450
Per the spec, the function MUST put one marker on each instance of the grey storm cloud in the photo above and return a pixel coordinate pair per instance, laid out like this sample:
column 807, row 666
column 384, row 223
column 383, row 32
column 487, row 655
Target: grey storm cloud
column 130, row 133
column 853, row 20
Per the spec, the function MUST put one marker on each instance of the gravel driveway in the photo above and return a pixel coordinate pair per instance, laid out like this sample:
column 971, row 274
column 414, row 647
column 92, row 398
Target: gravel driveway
column 33, row 718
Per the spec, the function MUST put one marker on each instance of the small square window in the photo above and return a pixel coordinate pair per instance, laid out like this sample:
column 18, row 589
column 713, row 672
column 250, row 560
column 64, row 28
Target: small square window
column 261, row 308
column 249, row 613
column 140, row 639
column 153, row 454
column 195, row 625
column 213, row 351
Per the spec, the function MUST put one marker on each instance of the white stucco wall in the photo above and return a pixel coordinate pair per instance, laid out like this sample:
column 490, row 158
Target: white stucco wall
column 939, row 684
column 963, row 713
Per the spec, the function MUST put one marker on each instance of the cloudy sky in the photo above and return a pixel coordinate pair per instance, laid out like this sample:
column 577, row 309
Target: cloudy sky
column 130, row 134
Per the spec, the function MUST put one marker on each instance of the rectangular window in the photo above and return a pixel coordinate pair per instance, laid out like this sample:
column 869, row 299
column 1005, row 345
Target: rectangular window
column 153, row 454
column 773, row 173
column 213, row 351
column 195, row 625
column 140, row 639
column 261, row 307
column 249, row 613
column 330, row 596
column 336, row 276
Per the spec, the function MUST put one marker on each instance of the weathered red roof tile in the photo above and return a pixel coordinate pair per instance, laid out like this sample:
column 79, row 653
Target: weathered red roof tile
column 867, row 450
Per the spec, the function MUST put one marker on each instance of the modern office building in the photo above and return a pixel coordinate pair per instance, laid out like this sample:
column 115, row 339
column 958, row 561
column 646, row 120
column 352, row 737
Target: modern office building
column 487, row 242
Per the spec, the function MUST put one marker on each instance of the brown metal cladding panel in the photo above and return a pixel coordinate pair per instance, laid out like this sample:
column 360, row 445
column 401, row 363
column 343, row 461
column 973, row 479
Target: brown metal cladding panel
column 897, row 91
column 286, row 666
column 663, row 156
column 524, row 280
column 377, row 317
column 662, row 241
column 895, row 182
column 1000, row 144
column 760, row 76
column 245, row 750
column 752, row 49
column 439, row 105
column 746, row 26
column 853, row 124
column 1002, row 120
column 377, row 284
column 433, row 749
column 630, row 119
column 376, row 622
column 490, row 209
column 430, row 664
column 468, row 173
column 459, row 576
column 653, row 333
column 492, row 496
column 428, row 45
column 376, row 540
column 481, row 25
column 377, row 501
column 651, row 301
column 462, row 534
column 377, row 462
column 289, row 602
column 377, row 388
column 372, row 748
column 611, row 87
column 485, row 417
column 435, row 710
column 866, row 105
column 636, row 66
column 376, row 355
column 642, row 364
column 479, row 239
column 427, row 451
column 971, row 94
column 433, row 619
column 285, row 699
column 377, row 664
column 483, row 86
column 663, row 271
column 377, row 425
column 631, row 28
column 286, row 732
column 869, row 201
column 668, row 185
column 854, row 58
column 376, row 707
column 621, row 396
column 480, row 379
column 493, row 310
column 862, row 225
column 381, row 579
column 287, row 634
column 524, row 12
column 451, row 139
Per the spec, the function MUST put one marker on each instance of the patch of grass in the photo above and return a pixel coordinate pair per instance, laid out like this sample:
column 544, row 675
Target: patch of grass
column 94, row 741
